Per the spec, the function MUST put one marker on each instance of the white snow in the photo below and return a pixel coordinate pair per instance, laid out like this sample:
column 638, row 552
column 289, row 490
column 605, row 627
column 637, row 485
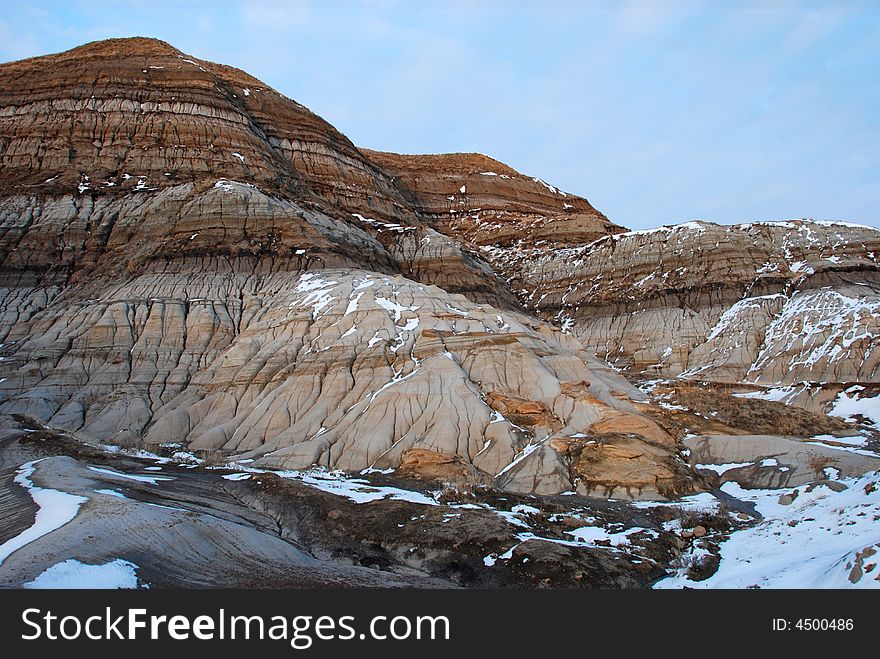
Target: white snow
column 810, row 543
column 591, row 535
column 849, row 404
column 236, row 477
column 854, row 440
column 229, row 186
column 355, row 489
column 552, row 189
column 526, row 452
column 731, row 315
column 72, row 574
column 703, row 502
column 720, row 469
column 112, row 493
column 457, row 310
column 353, row 303
column 56, row 508
column 152, row 480
column 775, row 394
column 318, row 292
column 411, row 324
column 393, row 307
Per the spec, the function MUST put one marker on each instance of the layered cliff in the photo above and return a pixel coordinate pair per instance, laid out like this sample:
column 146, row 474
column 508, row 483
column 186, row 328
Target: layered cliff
column 763, row 303
column 254, row 354
column 486, row 203
column 131, row 146
column 188, row 256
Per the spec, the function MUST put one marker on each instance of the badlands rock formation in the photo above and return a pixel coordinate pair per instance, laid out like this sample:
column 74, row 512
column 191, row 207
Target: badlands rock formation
column 764, row 303
column 347, row 369
column 125, row 155
column 188, row 256
column 768, row 303
column 201, row 271
column 488, row 204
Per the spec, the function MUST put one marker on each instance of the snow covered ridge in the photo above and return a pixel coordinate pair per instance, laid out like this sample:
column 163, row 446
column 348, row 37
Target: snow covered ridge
column 698, row 298
column 793, row 235
column 700, row 226
column 820, row 325
column 817, row 334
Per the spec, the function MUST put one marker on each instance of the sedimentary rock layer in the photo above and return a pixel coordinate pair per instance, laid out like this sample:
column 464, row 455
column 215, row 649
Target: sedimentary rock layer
column 765, row 303
column 484, row 202
column 347, row 369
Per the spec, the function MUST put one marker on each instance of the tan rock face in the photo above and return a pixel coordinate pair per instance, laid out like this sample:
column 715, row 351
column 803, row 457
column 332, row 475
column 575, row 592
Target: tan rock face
column 764, row 303
column 343, row 368
column 437, row 466
column 629, row 467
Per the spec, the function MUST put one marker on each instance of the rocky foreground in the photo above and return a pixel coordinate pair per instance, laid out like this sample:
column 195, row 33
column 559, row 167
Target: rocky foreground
column 238, row 350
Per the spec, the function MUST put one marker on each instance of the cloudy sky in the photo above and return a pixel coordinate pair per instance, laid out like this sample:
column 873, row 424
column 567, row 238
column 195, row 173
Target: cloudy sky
column 658, row 112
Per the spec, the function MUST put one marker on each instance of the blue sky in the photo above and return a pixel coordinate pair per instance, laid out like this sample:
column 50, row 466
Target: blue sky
column 658, row 112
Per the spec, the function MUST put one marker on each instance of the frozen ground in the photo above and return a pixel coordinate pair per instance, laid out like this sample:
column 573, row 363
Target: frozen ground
column 72, row 574
column 822, row 539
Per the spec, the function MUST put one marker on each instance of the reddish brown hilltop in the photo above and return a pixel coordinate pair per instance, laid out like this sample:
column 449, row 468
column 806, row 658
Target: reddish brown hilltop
column 129, row 154
column 67, row 121
column 485, row 202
